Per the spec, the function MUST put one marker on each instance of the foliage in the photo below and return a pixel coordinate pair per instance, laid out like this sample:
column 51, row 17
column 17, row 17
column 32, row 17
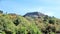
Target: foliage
column 16, row 25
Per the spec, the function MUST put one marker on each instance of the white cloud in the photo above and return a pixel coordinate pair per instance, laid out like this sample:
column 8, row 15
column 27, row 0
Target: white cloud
column 49, row 13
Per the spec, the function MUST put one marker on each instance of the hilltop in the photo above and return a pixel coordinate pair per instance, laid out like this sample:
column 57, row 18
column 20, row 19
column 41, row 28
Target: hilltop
column 34, row 14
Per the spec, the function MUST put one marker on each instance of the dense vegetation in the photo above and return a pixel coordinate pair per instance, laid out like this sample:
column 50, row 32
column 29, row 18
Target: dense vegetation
column 16, row 24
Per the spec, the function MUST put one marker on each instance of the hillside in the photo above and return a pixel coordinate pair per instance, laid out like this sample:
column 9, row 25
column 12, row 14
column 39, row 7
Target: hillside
column 45, row 23
column 31, row 23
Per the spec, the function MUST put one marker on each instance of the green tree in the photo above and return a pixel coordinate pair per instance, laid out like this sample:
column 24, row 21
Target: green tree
column 1, row 11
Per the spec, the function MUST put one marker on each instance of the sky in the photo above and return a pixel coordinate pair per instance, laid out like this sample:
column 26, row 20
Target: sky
column 21, row 7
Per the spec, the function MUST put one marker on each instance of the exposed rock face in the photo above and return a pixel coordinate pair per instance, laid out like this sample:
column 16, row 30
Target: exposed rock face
column 34, row 14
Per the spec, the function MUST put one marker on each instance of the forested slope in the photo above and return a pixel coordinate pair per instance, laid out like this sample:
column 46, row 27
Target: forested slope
column 30, row 23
